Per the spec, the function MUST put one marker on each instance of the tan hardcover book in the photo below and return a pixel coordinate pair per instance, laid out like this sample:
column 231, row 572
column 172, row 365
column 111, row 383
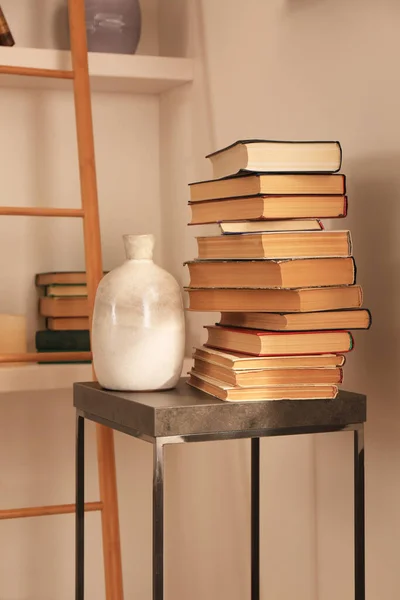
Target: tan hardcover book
column 268, row 207
column 267, row 377
column 312, row 272
column 67, row 323
column 262, row 343
column 279, row 225
column 64, row 307
column 273, row 300
column 340, row 319
column 237, row 361
column 268, row 184
column 276, row 156
column 290, row 244
column 61, row 278
column 66, row 290
column 280, row 392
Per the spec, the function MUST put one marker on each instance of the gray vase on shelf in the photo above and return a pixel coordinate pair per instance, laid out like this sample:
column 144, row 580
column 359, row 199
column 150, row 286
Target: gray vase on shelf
column 112, row 26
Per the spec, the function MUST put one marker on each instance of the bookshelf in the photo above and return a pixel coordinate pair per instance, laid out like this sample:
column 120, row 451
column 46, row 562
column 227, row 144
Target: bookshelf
column 118, row 73
column 35, row 377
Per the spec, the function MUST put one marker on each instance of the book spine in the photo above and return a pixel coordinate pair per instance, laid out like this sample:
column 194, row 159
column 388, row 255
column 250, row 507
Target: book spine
column 350, row 243
column 6, row 37
column 354, row 271
column 49, row 341
column 340, row 157
column 351, row 340
column 345, row 206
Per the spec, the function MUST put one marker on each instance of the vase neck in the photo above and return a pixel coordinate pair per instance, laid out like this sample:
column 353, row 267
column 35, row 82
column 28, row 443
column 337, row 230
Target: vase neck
column 139, row 247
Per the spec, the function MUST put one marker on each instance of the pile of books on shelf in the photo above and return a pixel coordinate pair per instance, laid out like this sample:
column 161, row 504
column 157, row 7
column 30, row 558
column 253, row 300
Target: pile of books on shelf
column 64, row 305
column 286, row 287
column 6, row 37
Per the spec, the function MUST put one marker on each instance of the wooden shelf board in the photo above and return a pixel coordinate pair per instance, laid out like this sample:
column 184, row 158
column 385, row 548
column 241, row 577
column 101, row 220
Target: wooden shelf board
column 108, row 72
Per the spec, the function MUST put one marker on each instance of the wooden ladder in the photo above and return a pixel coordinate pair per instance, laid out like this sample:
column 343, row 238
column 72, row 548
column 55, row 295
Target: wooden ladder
column 108, row 504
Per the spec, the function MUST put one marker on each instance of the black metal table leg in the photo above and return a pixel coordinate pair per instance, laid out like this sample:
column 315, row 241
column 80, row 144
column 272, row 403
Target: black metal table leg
column 158, row 521
column 255, row 519
column 359, row 514
column 80, row 508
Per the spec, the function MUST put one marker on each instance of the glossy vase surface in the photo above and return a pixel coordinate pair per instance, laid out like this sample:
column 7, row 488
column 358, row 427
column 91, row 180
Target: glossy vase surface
column 138, row 332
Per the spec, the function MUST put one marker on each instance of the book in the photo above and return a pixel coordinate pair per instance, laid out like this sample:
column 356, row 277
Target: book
column 6, row 37
column 58, row 290
column 279, row 225
column 238, row 361
column 64, row 307
column 67, row 323
column 267, row 377
column 276, row 245
column 297, row 273
column 267, row 184
column 268, row 207
column 276, row 156
column 61, row 278
column 280, row 392
column 340, row 319
column 62, row 341
column 262, row 343
column 273, row 300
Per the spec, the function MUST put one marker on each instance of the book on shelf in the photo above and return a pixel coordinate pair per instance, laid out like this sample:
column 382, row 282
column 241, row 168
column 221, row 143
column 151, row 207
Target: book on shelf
column 60, row 291
column 276, row 157
column 268, row 377
column 277, row 225
column 6, row 37
column 331, row 320
column 280, row 392
column 61, row 278
column 289, row 273
column 238, row 361
column 73, row 306
column 64, row 361
column 67, row 323
column 262, row 343
column 274, row 300
column 267, row 184
column 268, row 207
column 275, row 244
column 62, row 341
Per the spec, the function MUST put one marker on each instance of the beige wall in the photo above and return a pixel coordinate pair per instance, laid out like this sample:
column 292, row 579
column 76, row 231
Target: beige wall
column 278, row 69
column 322, row 69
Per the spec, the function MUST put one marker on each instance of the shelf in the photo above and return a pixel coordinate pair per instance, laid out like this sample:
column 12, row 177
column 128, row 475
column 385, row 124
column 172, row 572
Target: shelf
column 108, row 72
column 24, row 378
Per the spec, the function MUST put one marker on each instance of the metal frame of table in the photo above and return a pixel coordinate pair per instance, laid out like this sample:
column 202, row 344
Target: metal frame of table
column 124, row 412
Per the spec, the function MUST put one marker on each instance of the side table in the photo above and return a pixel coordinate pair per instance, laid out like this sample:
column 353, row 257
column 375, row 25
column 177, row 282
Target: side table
column 187, row 415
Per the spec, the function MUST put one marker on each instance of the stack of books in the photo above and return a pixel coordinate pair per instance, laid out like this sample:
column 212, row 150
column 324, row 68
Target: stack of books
column 286, row 288
column 63, row 303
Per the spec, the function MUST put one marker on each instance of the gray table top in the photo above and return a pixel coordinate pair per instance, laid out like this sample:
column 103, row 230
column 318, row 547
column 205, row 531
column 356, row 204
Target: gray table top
column 185, row 411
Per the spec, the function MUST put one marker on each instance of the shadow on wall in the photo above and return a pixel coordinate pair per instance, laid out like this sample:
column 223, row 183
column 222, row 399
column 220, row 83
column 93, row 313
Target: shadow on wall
column 374, row 217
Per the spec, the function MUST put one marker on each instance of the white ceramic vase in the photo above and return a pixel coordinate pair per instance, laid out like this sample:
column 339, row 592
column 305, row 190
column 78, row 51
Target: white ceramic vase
column 138, row 332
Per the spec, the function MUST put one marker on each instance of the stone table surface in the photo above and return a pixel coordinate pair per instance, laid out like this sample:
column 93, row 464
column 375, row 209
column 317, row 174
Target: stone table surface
column 185, row 411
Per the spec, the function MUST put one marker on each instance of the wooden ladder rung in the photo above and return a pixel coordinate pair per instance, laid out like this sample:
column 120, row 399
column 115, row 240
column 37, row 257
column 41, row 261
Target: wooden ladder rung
column 37, row 211
column 44, row 511
column 31, row 72
column 46, row 357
